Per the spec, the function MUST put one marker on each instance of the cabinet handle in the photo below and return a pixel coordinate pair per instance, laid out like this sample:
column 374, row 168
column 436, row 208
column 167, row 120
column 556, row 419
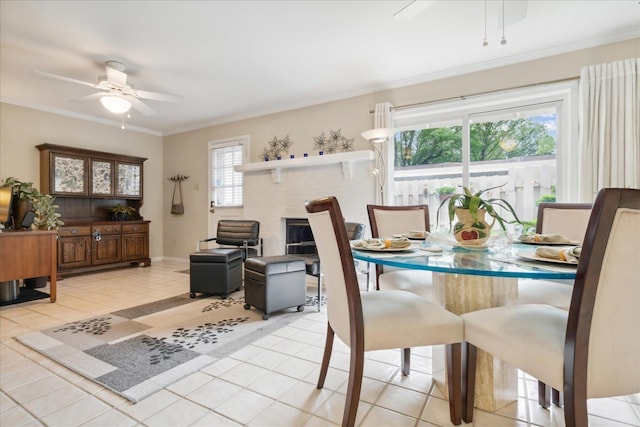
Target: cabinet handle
column 73, row 231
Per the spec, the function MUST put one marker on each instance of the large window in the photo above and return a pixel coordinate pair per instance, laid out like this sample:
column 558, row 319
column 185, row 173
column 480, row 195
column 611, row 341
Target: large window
column 225, row 185
column 514, row 140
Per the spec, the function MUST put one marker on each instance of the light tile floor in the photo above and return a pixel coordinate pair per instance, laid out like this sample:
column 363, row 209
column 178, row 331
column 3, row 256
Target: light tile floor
column 270, row 382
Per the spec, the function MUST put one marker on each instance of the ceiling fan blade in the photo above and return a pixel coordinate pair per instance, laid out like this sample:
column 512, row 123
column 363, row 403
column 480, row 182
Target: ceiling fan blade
column 140, row 106
column 412, row 9
column 158, row 96
column 65, row 79
column 91, row 97
column 116, row 77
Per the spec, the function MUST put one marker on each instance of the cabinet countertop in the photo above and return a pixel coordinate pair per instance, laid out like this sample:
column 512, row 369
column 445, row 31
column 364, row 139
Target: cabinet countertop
column 80, row 223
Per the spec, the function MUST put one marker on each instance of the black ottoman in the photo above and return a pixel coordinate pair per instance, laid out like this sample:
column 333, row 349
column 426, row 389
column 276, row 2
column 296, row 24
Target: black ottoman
column 215, row 271
column 274, row 283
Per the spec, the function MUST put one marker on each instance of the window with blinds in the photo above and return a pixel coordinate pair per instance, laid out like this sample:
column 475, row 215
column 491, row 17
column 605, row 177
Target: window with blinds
column 225, row 183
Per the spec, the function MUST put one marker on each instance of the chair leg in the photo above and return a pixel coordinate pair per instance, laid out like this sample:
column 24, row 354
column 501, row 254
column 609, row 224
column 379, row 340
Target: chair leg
column 454, row 353
column 405, row 361
column 328, row 346
column 378, row 273
column 469, row 381
column 556, row 397
column 575, row 404
column 319, row 288
column 544, row 395
column 354, row 387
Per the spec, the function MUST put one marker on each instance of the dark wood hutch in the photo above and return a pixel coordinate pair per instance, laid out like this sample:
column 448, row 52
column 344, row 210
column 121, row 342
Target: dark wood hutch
column 87, row 184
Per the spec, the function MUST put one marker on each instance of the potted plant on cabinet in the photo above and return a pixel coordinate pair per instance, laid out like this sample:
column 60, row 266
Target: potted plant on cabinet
column 122, row 213
column 470, row 209
column 28, row 198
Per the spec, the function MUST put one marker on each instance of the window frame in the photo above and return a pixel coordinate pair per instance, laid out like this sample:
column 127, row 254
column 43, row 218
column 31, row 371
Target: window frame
column 465, row 109
column 243, row 142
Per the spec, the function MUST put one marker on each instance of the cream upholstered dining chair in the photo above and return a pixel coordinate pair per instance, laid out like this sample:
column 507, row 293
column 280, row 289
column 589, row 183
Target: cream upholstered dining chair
column 385, row 221
column 376, row 320
column 570, row 220
column 591, row 351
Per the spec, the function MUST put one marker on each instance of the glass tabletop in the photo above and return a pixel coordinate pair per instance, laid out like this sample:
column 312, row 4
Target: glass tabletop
column 471, row 262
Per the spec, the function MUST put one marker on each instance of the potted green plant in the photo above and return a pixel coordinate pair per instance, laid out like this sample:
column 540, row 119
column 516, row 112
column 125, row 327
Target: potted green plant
column 28, row 198
column 470, row 209
column 122, row 213
column 444, row 191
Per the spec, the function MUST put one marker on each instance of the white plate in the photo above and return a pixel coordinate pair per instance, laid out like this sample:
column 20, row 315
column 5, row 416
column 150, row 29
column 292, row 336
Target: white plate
column 360, row 248
column 533, row 256
column 569, row 243
column 397, row 236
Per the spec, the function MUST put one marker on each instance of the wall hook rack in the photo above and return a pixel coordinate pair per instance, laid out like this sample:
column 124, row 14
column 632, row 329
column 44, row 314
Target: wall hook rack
column 178, row 178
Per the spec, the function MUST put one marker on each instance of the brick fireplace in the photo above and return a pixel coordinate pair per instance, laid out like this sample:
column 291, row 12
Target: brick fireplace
column 273, row 203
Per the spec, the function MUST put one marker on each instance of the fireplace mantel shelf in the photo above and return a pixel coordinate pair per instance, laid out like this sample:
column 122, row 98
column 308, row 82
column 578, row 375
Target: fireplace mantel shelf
column 346, row 159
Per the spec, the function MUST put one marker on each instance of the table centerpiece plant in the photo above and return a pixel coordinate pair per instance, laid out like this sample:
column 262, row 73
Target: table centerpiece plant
column 470, row 210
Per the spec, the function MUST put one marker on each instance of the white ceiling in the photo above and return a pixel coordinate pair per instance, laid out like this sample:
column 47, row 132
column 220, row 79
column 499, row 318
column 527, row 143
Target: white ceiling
column 238, row 59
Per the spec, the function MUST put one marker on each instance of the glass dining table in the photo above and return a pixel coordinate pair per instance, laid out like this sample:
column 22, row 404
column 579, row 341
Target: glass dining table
column 468, row 280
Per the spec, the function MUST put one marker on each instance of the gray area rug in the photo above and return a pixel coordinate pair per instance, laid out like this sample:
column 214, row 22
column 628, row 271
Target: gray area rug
column 138, row 351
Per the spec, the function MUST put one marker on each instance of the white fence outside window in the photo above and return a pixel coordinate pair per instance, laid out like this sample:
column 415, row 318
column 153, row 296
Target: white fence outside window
column 525, row 179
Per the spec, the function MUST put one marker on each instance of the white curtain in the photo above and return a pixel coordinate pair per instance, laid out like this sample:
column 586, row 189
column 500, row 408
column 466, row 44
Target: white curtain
column 609, row 127
column 382, row 115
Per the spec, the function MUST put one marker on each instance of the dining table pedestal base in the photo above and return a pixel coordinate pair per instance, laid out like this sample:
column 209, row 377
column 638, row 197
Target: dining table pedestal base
column 496, row 381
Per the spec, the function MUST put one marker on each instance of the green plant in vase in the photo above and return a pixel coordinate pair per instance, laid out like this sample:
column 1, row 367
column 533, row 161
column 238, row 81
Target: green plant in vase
column 30, row 199
column 471, row 210
column 122, row 213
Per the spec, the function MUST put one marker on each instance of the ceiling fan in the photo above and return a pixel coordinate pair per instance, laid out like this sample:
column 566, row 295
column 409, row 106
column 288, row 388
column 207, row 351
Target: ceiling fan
column 116, row 95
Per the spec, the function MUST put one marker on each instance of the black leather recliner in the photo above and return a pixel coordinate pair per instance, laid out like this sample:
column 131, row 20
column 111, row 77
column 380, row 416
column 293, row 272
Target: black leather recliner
column 240, row 233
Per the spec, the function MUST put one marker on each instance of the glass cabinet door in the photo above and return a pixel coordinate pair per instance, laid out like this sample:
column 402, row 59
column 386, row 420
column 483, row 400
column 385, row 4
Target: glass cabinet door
column 68, row 175
column 129, row 180
column 101, row 178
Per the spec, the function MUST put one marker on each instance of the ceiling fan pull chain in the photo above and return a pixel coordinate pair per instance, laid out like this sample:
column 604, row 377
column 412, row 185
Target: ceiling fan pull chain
column 485, row 42
column 504, row 39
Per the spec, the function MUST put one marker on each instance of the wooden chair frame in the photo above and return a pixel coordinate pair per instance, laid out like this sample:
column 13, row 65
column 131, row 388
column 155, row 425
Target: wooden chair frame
column 582, row 306
column 357, row 345
column 546, row 396
column 371, row 211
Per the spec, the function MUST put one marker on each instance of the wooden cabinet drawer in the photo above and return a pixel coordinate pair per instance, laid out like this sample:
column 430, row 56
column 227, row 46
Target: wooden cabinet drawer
column 83, row 230
column 106, row 229
column 135, row 228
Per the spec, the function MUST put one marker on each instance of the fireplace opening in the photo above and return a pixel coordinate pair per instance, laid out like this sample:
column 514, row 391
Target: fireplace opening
column 299, row 237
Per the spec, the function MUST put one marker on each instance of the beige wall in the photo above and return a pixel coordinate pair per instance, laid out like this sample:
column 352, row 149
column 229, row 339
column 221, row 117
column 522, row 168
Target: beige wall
column 21, row 129
column 187, row 152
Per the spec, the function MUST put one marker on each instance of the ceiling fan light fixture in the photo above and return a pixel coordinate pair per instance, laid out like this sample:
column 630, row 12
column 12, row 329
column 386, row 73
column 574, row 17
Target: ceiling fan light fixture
column 115, row 104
